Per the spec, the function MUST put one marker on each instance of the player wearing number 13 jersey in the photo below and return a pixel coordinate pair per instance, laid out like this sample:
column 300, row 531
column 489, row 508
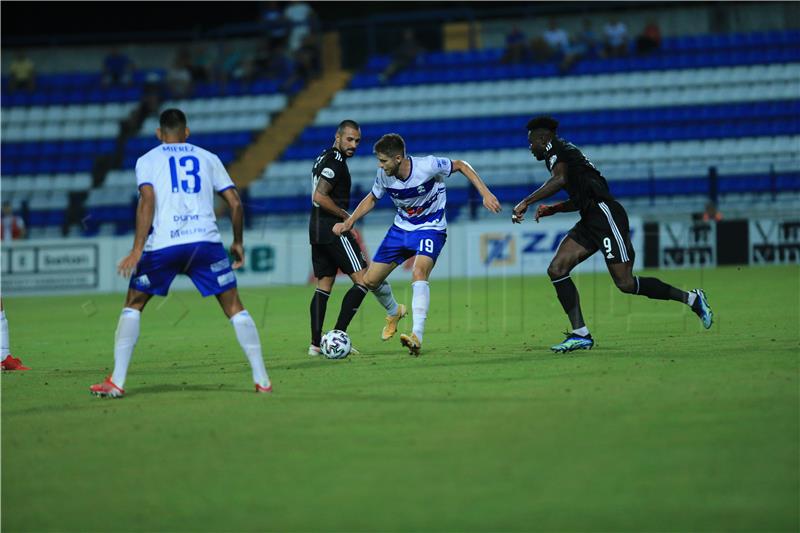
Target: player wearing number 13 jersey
column 176, row 233
column 416, row 187
column 603, row 226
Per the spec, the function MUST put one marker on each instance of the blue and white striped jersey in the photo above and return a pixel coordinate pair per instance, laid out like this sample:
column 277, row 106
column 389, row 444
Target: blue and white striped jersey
column 421, row 198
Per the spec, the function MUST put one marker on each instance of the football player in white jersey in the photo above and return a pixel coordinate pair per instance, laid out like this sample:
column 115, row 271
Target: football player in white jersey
column 416, row 186
column 176, row 233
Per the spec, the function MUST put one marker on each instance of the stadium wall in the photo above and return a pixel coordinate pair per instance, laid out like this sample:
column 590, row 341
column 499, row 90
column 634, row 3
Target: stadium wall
column 474, row 250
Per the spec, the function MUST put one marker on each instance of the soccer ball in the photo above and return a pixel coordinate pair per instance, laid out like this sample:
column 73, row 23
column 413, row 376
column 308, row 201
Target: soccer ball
column 335, row 344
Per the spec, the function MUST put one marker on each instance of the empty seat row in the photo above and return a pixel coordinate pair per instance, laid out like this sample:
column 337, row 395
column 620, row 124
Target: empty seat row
column 58, row 148
column 425, row 75
column 569, row 85
column 105, row 129
column 71, row 113
column 241, row 121
column 46, row 183
column 430, row 109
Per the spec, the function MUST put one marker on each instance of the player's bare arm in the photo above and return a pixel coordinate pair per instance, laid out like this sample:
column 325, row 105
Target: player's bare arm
column 489, row 200
column 364, row 207
column 145, row 211
column 231, row 196
column 543, row 210
column 322, row 197
column 556, row 182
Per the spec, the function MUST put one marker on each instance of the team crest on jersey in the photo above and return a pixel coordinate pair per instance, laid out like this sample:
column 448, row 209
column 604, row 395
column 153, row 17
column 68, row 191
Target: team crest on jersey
column 328, row 173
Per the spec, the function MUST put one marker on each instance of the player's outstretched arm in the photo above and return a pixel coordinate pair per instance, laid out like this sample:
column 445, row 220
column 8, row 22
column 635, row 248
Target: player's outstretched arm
column 558, row 179
column 364, row 207
column 322, row 197
column 489, row 200
column 231, row 196
column 145, row 211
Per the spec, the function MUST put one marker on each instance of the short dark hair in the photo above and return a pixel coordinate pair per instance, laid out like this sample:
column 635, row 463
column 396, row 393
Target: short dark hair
column 172, row 120
column 390, row 144
column 347, row 124
column 543, row 123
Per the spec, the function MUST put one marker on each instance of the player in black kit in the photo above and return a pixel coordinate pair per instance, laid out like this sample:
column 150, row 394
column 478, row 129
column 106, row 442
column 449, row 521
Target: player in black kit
column 330, row 252
column 603, row 226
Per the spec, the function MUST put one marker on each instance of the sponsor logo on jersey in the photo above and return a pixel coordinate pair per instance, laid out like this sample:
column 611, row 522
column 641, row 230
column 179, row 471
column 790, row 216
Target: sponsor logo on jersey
column 142, row 281
column 421, row 189
column 185, row 218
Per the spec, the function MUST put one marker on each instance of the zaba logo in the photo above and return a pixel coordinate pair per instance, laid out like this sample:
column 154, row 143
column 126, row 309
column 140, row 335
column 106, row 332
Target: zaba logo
column 498, row 249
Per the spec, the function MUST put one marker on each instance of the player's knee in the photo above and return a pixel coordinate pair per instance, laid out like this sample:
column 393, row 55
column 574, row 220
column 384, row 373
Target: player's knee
column 557, row 270
column 419, row 274
column 371, row 284
column 626, row 285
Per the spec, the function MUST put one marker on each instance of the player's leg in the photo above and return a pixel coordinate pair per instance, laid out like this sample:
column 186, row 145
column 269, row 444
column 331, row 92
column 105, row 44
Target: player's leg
column 351, row 261
column 572, row 251
column 391, row 253
column 654, row 288
column 247, row 335
column 427, row 245
column 620, row 257
column 153, row 276
column 7, row 361
column 210, row 270
column 5, row 344
column 325, row 268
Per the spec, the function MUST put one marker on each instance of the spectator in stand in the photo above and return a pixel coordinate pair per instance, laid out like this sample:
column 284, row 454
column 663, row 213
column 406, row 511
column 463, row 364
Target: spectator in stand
column 650, row 39
column 204, row 64
column 553, row 43
column 179, row 75
column 585, row 44
column 13, row 227
column 23, row 73
column 232, row 65
column 515, row 46
column 711, row 213
column 616, row 38
column 404, row 55
column 300, row 18
column 117, row 68
column 275, row 25
column 305, row 62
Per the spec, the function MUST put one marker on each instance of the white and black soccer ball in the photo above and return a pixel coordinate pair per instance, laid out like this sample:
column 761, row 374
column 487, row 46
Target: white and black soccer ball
column 335, row 344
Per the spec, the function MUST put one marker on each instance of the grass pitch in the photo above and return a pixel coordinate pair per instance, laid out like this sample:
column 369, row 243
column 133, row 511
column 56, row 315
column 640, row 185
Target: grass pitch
column 662, row 427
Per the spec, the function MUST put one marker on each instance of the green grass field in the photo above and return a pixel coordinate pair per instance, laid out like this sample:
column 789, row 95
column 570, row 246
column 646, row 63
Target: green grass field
column 662, row 427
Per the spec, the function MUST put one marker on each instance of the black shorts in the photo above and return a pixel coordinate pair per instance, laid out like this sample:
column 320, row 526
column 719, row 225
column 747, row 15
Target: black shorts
column 343, row 253
column 605, row 227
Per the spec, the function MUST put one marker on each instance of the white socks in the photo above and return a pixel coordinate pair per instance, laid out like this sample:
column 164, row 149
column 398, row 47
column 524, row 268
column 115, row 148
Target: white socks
column 4, row 343
column 247, row 335
column 124, row 341
column 419, row 305
column 384, row 295
column 583, row 332
column 690, row 299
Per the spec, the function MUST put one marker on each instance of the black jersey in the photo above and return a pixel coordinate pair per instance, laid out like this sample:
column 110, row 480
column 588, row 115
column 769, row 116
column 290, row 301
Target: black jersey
column 585, row 185
column 331, row 167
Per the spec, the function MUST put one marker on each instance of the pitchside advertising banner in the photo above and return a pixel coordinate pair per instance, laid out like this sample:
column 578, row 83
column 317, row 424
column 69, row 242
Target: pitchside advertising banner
column 490, row 248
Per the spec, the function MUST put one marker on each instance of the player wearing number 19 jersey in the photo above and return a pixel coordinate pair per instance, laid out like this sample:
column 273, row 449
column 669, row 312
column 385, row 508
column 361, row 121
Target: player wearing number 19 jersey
column 416, row 186
column 176, row 233
column 603, row 227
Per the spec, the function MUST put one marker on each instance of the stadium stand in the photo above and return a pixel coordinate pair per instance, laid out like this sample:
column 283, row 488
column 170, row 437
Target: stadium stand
column 655, row 125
